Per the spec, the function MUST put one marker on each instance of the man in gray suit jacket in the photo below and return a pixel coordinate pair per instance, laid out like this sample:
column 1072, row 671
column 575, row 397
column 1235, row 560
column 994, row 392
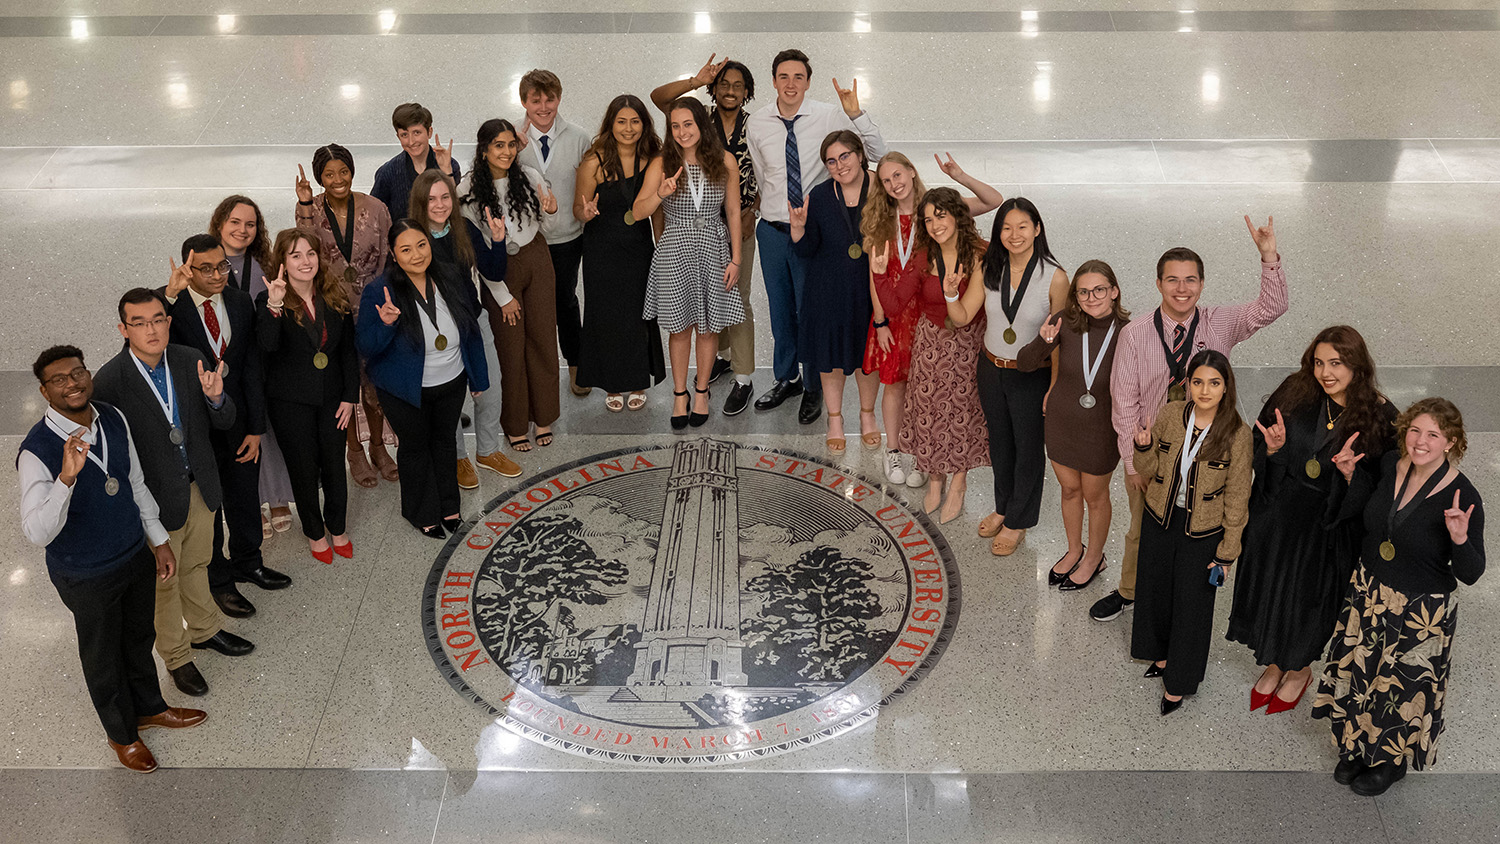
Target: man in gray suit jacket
column 157, row 387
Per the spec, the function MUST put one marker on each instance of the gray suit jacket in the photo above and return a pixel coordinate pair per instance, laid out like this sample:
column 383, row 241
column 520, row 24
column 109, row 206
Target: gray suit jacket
column 119, row 383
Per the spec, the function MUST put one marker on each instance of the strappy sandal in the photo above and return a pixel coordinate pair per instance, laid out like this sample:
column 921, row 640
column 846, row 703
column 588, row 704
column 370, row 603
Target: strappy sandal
column 680, row 422
column 991, row 525
column 836, row 444
column 637, row 400
column 519, row 443
column 872, row 439
column 544, row 440
column 1004, row 546
column 281, row 519
column 614, row 403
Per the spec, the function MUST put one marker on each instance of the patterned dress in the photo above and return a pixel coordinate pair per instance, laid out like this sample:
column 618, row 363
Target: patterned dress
column 686, row 287
column 897, row 288
column 943, row 425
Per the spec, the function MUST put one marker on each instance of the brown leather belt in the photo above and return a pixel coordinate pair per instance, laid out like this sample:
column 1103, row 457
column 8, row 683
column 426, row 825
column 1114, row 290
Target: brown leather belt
column 1000, row 362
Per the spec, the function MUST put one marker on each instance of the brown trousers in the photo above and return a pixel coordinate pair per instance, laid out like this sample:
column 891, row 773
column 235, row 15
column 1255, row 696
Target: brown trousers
column 185, row 596
column 529, row 377
column 739, row 340
column 1132, row 544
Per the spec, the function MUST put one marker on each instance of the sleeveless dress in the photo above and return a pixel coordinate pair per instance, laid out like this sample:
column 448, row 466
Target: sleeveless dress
column 942, row 425
column 686, row 285
column 620, row 351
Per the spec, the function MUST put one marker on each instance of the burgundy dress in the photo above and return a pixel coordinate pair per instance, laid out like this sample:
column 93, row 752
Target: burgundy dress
column 943, row 425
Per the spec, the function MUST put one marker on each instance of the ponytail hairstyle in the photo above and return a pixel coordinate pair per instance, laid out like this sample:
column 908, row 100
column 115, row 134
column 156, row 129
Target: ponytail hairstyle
column 520, row 195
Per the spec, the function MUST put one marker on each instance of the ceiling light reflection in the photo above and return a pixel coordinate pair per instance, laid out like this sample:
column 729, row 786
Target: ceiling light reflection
column 703, row 23
column 1041, row 85
column 1210, row 86
column 861, row 22
column 80, row 28
column 177, row 94
column 227, row 24
column 387, row 20
column 349, row 91
column 19, row 91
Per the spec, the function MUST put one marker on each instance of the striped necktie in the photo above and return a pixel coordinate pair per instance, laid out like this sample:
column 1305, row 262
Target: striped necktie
column 793, row 164
column 1179, row 334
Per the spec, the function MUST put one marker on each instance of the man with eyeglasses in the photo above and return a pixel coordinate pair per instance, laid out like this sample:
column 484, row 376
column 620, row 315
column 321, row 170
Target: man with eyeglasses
column 172, row 401
column 84, row 499
column 218, row 320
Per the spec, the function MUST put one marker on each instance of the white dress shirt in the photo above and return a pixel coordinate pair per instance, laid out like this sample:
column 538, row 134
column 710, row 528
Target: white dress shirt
column 44, row 498
column 766, row 134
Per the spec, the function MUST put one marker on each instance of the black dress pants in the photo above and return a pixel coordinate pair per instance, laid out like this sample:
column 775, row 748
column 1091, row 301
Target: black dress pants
column 240, row 514
column 566, row 258
column 1012, row 402
column 428, row 455
column 115, row 617
column 1174, row 603
column 313, row 446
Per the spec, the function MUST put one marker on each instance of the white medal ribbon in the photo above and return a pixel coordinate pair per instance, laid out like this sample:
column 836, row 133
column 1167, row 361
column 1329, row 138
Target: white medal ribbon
column 95, row 433
column 905, row 248
column 1090, row 371
column 697, row 188
column 169, row 403
column 1190, row 452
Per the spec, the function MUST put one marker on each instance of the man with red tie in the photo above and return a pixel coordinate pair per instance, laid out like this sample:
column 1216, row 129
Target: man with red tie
column 217, row 319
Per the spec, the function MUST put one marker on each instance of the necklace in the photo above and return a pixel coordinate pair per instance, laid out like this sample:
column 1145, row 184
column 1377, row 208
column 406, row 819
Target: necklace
column 1329, row 407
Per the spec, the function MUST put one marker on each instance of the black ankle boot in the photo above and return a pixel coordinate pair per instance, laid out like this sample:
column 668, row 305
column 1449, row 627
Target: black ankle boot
column 1347, row 769
column 1374, row 780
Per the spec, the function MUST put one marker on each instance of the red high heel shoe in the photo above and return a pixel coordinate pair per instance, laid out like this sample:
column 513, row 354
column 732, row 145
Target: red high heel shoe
column 1258, row 699
column 1278, row 705
column 346, row 550
column 325, row 556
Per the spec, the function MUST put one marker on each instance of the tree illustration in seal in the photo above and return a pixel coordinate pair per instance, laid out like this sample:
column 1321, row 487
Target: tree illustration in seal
column 541, row 561
column 812, row 626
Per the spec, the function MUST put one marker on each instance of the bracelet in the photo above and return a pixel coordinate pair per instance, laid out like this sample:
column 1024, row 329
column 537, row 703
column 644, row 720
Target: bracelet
column 734, row 263
column 883, row 323
column 953, row 298
column 300, row 202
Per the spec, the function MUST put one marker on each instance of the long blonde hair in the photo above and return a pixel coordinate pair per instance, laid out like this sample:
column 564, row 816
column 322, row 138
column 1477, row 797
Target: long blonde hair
column 878, row 224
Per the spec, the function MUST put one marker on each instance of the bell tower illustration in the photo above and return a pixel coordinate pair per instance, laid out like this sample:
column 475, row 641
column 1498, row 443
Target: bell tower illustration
column 690, row 635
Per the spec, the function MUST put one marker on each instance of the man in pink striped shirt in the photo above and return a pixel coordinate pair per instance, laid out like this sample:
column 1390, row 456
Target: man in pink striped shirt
column 1151, row 361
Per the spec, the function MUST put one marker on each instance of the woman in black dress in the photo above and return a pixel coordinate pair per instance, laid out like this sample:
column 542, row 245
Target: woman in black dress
column 621, row 351
column 1299, row 548
column 1386, row 677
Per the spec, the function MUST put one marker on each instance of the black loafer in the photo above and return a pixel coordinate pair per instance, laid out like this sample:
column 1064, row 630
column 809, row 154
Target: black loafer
column 1070, row 585
column 268, row 579
column 1374, row 780
column 1347, row 769
column 811, row 409
column 225, row 643
column 188, row 681
column 232, row 603
column 779, row 392
column 720, row 367
column 739, row 398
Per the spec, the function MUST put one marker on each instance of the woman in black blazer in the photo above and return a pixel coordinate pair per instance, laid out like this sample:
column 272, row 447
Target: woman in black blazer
column 306, row 328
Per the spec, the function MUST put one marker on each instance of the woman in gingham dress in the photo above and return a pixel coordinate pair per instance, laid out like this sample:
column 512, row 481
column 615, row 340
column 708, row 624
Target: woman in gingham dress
column 697, row 261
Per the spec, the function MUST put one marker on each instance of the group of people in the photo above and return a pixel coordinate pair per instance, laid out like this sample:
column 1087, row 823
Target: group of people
column 265, row 363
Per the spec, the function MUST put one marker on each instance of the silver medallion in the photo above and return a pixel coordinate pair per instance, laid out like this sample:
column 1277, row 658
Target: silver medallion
column 1087, row 401
column 175, row 435
column 111, row 486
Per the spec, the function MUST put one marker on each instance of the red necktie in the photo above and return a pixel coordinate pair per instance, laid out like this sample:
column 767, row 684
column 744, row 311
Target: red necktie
column 211, row 320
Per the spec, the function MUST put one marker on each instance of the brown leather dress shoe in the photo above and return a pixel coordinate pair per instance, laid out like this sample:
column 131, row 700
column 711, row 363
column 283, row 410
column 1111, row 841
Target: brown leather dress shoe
column 175, row 718
column 135, row 757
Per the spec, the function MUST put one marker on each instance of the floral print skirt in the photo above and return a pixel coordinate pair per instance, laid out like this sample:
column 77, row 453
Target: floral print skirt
column 1387, row 673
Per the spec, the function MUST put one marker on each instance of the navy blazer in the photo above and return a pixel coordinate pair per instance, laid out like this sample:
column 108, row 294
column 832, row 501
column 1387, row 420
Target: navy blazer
column 394, row 362
column 245, row 383
column 119, row 383
column 289, row 347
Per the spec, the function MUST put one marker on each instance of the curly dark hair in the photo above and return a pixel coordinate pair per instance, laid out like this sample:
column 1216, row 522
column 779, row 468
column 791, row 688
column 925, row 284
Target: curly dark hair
column 52, row 355
column 520, row 195
column 1362, row 399
column 970, row 244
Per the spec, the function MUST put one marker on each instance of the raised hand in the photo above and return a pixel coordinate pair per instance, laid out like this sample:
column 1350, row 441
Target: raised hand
column 950, row 167
column 590, row 209
column 1457, row 521
column 849, row 98
column 511, row 312
column 178, row 280
column 952, row 282
column 276, row 289
column 668, row 185
column 797, row 216
column 444, row 156
column 344, row 415
column 1264, row 237
column 304, row 187
column 1051, row 328
column 496, row 225
column 75, row 454
column 549, row 201
column 1142, row 435
column 880, row 261
column 389, row 313
column 523, row 134
column 1276, row 434
column 249, row 450
column 212, row 380
column 1346, row 458
column 706, row 74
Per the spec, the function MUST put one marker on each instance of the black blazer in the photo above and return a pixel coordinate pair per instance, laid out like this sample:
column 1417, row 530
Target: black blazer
column 119, row 383
column 245, row 383
column 289, row 348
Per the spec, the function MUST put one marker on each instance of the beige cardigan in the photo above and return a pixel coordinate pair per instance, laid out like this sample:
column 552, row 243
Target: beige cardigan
column 1218, row 494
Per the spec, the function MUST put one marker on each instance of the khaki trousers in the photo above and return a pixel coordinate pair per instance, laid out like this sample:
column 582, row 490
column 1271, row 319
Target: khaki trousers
column 1132, row 544
column 185, row 596
column 739, row 340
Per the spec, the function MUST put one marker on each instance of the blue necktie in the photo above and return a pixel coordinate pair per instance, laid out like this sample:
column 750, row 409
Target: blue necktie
column 545, row 151
column 793, row 164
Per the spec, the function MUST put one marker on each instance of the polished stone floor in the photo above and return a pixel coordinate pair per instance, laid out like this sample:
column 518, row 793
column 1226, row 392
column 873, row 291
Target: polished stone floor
column 1367, row 127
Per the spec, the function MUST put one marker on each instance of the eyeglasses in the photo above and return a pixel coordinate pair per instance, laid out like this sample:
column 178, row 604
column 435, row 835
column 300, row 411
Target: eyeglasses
column 733, row 87
column 221, row 268
column 77, row 376
column 152, row 324
column 845, row 158
column 1101, row 292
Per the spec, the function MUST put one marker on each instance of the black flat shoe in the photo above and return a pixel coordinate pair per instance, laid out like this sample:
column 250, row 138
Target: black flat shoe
column 739, row 398
column 453, row 523
column 720, row 367
column 812, row 407
column 188, row 680
column 1347, row 769
column 1071, row 585
column 1170, row 706
column 433, row 531
column 1055, row 577
column 232, row 603
column 779, row 392
column 1154, row 670
column 697, row 419
column 268, row 579
column 680, row 422
column 1374, row 780
column 225, row 643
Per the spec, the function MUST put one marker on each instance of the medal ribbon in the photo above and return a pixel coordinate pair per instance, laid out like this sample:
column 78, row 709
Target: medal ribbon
column 345, row 243
column 844, row 209
column 1399, row 514
column 905, row 245
column 1177, row 358
column 1092, row 370
column 1010, row 306
column 97, row 433
column 1190, row 449
column 429, row 306
column 168, row 404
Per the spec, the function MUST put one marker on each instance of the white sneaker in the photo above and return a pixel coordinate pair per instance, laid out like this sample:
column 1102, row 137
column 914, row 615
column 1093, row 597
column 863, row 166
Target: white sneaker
column 914, row 479
column 895, row 470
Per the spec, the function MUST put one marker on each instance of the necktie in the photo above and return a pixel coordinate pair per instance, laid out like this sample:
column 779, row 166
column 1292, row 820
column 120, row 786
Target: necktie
column 211, row 320
column 793, row 164
column 1178, row 335
column 546, row 143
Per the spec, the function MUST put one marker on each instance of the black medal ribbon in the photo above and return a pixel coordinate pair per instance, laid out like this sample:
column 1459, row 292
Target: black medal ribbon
column 849, row 215
column 1010, row 306
column 429, row 307
column 1398, row 514
column 345, row 243
column 240, row 280
column 1176, row 363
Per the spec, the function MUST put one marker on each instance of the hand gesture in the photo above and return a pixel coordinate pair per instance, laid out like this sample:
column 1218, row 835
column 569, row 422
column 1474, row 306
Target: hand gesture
column 444, row 156
column 590, row 209
column 511, row 312
column 304, row 187
column 849, row 98
column 496, row 225
column 344, row 415
column 276, row 288
column 668, row 185
column 1457, row 521
column 1142, row 435
column 1275, row 435
column 1264, row 237
column 1051, row 328
column 706, row 74
column 950, row 167
column 731, row 275
column 178, row 280
column 952, row 282
column 797, row 217
column 75, row 454
column 389, row 313
column 549, row 201
column 523, row 134
column 166, row 561
column 212, row 380
column 1346, row 458
column 880, row 261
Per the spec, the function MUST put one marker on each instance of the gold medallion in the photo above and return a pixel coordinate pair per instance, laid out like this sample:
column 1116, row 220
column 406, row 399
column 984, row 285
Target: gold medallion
column 855, row 251
column 350, row 276
column 1009, row 335
column 629, row 218
column 441, row 342
column 1313, row 468
column 1387, row 550
column 320, row 361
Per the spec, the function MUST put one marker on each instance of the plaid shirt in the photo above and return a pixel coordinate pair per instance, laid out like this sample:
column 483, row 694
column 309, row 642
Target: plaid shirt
column 1139, row 378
